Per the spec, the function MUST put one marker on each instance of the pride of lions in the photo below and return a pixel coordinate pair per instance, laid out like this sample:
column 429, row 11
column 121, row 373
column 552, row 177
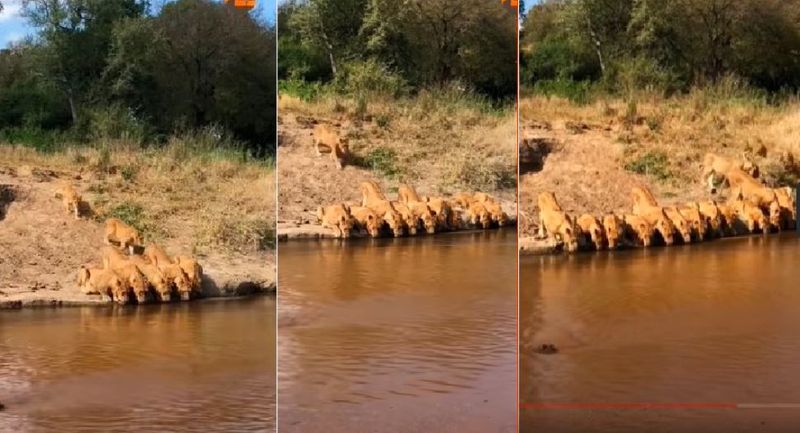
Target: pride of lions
column 751, row 207
column 411, row 214
column 126, row 276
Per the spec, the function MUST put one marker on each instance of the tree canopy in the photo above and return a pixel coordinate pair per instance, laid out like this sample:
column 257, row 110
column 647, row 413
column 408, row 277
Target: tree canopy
column 420, row 42
column 668, row 44
column 196, row 64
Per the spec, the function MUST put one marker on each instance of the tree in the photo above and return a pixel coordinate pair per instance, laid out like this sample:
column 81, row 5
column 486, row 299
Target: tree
column 332, row 25
column 198, row 63
column 77, row 37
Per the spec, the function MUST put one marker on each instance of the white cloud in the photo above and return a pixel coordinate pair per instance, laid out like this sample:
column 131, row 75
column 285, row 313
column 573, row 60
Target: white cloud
column 11, row 9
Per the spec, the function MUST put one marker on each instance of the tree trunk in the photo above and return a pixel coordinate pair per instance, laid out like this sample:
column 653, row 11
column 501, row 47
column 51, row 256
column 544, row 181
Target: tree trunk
column 73, row 109
column 597, row 45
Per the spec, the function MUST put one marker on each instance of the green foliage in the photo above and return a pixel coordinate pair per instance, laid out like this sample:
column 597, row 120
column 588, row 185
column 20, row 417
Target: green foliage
column 369, row 78
column 305, row 90
column 653, row 163
column 663, row 46
column 383, row 160
column 130, row 213
column 576, row 91
column 388, row 47
column 107, row 71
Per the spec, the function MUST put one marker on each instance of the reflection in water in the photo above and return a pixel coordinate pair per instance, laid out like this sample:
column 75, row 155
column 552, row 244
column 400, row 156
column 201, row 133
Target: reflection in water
column 206, row 366
column 410, row 334
column 713, row 322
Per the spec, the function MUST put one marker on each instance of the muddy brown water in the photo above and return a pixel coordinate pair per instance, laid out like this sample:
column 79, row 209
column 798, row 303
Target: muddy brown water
column 709, row 323
column 199, row 367
column 398, row 335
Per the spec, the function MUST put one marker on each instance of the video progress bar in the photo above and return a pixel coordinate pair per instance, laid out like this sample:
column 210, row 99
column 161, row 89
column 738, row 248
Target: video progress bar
column 658, row 405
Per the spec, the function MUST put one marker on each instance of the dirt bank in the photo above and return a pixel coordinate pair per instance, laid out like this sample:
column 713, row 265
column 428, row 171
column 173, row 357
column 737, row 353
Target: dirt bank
column 43, row 246
column 469, row 151
column 591, row 156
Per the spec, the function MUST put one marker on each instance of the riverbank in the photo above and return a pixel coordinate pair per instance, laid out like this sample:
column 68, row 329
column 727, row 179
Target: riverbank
column 591, row 155
column 210, row 206
column 439, row 146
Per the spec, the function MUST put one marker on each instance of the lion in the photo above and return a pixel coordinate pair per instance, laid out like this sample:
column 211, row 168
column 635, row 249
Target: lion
column 680, row 223
column 463, row 199
column 371, row 194
column 728, row 216
column 751, row 215
column 407, row 194
column 697, row 222
column 193, row 271
column 612, row 226
column 126, row 236
column 555, row 221
column 710, row 211
column 373, row 198
column 639, row 228
column 478, row 215
column 155, row 278
column 327, row 140
column 338, row 218
column 409, row 219
column 547, row 200
column 176, row 276
column 71, row 199
column 657, row 218
column 102, row 282
column 157, row 256
column 716, row 169
column 591, row 226
column 442, row 212
column 367, row 219
column 788, row 205
column 128, row 272
column 746, row 187
column 424, row 214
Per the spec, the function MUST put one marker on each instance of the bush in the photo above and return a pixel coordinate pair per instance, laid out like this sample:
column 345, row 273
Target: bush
column 654, row 163
column 383, row 160
column 117, row 123
column 307, row 91
column 370, row 77
column 578, row 92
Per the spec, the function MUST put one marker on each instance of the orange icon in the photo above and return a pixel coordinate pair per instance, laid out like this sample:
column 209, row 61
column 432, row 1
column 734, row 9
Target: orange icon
column 513, row 3
column 244, row 4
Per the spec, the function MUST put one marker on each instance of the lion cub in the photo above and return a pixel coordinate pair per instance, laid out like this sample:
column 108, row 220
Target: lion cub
column 367, row 219
column 128, row 272
column 373, row 198
column 612, row 226
column 591, row 226
column 193, row 271
column 556, row 222
column 127, row 236
column 327, row 140
column 171, row 271
column 71, row 199
column 102, row 282
column 338, row 218
column 154, row 277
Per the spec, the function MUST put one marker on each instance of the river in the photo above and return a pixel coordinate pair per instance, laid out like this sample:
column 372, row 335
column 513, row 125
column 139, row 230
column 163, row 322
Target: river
column 703, row 337
column 206, row 366
column 391, row 335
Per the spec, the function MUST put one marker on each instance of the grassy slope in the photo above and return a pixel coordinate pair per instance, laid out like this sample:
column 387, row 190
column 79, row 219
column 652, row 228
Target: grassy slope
column 439, row 146
column 600, row 146
column 209, row 205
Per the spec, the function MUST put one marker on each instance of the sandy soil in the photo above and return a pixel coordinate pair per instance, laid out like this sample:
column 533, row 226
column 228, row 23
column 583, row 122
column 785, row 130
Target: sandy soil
column 307, row 181
column 580, row 152
column 43, row 247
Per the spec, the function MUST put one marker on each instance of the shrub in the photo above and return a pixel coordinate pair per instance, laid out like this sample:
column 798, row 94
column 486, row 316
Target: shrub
column 654, row 163
column 370, row 77
column 382, row 160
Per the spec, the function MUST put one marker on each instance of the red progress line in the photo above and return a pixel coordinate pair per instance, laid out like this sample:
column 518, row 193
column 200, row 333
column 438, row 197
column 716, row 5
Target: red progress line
column 646, row 405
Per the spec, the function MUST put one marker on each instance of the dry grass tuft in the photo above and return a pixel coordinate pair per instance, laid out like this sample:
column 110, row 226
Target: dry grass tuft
column 201, row 199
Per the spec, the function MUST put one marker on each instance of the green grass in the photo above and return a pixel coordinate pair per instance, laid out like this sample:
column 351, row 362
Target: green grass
column 653, row 163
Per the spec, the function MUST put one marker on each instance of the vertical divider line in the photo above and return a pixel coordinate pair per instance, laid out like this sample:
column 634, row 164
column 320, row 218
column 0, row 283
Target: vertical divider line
column 277, row 246
column 516, row 243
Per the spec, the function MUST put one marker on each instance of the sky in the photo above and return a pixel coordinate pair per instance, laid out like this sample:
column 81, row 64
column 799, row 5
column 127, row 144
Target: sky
column 14, row 28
